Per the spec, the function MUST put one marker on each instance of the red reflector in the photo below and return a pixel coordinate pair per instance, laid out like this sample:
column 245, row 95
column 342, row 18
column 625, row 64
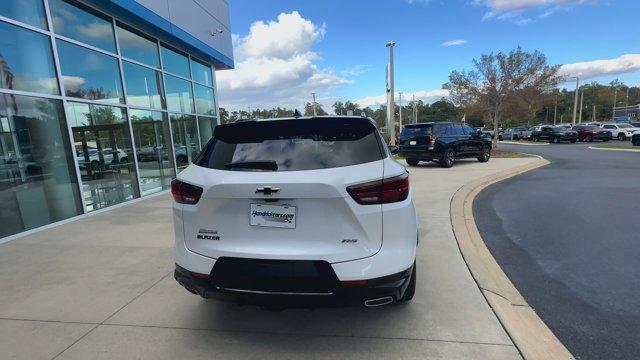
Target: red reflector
column 350, row 283
column 381, row 191
column 199, row 276
column 184, row 193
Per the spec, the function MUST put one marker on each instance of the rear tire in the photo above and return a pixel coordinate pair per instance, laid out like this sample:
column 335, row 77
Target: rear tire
column 412, row 162
column 411, row 289
column 485, row 155
column 622, row 137
column 448, row 158
column 588, row 138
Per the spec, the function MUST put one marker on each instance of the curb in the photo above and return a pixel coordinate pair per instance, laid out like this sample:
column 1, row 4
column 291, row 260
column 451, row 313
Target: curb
column 528, row 332
column 613, row 149
column 521, row 143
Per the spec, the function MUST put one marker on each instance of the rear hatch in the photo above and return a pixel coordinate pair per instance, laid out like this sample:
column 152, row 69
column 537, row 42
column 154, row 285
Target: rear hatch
column 277, row 190
column 416, row 136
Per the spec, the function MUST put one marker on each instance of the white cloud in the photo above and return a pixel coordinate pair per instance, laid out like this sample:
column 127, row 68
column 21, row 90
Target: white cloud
column 356, row 70
column 427, row 96
column 456, row 42
column 515, row 10
column 596, row 68
column 275, row 65
column 73, row 83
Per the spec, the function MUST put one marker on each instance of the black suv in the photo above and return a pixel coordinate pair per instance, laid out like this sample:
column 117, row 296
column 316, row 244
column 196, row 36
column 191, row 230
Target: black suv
column 556, row 134
column 443, row 142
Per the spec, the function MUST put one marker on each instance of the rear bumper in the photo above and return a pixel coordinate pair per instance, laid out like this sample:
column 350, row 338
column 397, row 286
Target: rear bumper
column 422, row 153
column 378, row 291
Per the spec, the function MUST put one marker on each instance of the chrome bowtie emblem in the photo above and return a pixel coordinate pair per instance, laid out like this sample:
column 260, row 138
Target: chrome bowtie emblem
column 267, row 190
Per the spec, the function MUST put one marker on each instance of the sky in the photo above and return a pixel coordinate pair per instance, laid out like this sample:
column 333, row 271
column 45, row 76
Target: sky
column 285, row 50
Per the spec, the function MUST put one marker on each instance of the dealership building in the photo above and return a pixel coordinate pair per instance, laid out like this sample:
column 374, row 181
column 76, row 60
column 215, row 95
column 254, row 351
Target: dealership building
column 102, row 101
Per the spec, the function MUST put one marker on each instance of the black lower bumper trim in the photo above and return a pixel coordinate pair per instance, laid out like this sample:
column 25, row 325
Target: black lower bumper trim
column 392, row 286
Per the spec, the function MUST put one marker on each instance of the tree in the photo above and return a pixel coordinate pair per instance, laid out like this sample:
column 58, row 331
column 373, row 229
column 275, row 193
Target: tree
column 500, row 78
column 308, row 109
column 338, row 108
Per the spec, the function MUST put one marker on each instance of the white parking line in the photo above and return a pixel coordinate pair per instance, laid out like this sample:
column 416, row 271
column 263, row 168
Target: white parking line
column 614, row 149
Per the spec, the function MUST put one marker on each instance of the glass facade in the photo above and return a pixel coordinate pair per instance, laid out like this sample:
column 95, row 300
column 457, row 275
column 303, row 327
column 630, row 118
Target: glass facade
column 153, row 149
column 38, row 184
column 27, row 11
column 104, row 153
column 120, row 118
column 88, row 74
column 144, row 86
column 185, row 139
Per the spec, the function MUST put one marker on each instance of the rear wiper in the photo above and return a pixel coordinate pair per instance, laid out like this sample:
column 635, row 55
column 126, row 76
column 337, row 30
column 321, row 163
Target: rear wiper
column 260, row 165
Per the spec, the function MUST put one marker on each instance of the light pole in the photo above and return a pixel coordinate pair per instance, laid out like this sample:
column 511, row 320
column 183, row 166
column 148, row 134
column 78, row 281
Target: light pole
column 314, row 103
column 415, row 110
column 391, row 98
column 400, row 93
column 615, row 100
column 581, row 100
column 575, row 101
column 555, row 109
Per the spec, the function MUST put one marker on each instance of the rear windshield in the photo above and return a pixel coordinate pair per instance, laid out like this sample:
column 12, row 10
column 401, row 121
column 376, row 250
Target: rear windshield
column 413, row 131
column 288, row 145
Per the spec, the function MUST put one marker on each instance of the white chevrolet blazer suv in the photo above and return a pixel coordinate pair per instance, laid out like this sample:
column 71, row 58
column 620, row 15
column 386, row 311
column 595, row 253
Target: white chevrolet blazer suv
column 309, row 211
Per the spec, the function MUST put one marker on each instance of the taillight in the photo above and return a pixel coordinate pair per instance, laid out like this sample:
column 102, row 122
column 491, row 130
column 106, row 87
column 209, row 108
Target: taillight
column 381, row 191
column 184, row 193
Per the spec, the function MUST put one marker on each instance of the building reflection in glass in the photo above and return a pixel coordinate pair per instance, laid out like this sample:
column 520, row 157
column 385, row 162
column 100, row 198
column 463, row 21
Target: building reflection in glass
column 38, row 184
column 185, row 139
column 152, row 139
column 103, row 148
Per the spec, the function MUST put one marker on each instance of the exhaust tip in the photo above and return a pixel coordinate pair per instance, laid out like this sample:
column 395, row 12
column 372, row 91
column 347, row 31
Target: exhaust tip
column 378, row 301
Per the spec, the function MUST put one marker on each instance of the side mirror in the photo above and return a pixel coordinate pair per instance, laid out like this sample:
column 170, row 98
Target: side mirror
column 479, row 133
column 393, row 149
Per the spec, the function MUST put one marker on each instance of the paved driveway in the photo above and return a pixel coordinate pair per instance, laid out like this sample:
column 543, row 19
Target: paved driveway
column 567, row 236
column 102, row 288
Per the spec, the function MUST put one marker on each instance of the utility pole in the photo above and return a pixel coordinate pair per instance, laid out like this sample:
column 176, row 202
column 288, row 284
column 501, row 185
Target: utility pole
column 626, row 102
column 615, row 100
column 415, row 110
column 391, row 98
column 593, row 113
column 314, row 103
column 581, row 100
column 575, row 102
column 555, row 109
column 400, row 110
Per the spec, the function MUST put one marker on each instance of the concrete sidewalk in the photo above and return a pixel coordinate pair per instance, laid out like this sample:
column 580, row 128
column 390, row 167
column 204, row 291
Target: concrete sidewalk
column 102, row 288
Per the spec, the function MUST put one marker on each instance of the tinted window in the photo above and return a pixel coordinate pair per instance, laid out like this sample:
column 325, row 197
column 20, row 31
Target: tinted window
column 468, row 130
column 137, row 47
column 457, row 129
column 608, row 127
column 27, row 11
column 89, row 74
column 82, row 25
column 26, row 61
column 415, row 131
column 444, row 129
column 304, row 144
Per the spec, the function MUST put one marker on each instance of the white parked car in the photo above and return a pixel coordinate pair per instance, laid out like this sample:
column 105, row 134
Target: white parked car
column 621, row 131
column 301, row 211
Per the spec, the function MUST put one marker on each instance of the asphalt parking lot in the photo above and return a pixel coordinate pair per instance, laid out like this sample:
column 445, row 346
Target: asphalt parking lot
column 102, row 288
column 566, row 235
